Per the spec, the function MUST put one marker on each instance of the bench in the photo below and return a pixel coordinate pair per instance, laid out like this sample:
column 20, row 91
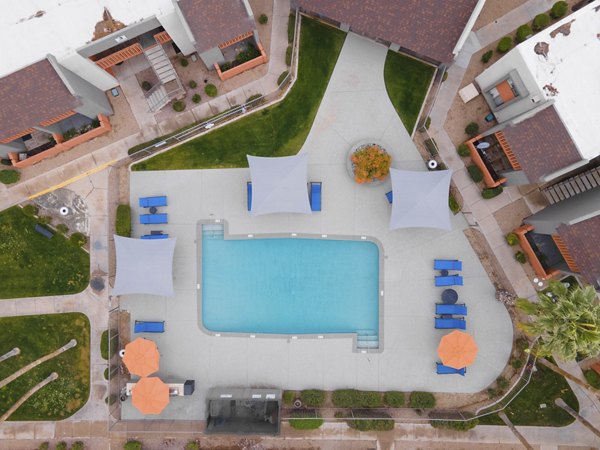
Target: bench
column 43, row 231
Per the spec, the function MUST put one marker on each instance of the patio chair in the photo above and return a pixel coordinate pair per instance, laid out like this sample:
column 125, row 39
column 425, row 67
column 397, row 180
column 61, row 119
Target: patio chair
column 149, row 219
column 452, row 280
column 155, row 236
column 390, row 196
column 249, row 189
column 445, row 309
column 149, row 202
column 447, row 370
column 315, row 196
column 448, row 324
column 149, row 327
column 447, row 264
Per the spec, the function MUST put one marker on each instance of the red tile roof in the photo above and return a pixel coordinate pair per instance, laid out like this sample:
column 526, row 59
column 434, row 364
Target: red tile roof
column 215, row 21
column 428, row 27
column 30, row 96
column 541, row 144
column 582, row 241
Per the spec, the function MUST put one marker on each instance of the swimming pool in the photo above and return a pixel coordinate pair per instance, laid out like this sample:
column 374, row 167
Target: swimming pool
column 289, row 286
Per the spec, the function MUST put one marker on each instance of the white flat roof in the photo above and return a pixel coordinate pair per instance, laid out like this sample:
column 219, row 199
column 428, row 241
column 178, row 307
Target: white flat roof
column 572, row 67
column 64, row 26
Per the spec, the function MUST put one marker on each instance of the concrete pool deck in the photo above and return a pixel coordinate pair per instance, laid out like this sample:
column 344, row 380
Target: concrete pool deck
column 355, row 108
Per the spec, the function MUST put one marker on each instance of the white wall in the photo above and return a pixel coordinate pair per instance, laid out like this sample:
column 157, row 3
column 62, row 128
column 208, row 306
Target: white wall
column 89, row 71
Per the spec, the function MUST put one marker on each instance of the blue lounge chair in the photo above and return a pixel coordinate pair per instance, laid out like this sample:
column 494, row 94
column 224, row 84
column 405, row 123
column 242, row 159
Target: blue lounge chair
column 148, row 202
column 249, row 189
column 447, row 264
column 444, row 324
column 155, row 236
column 447, row 370
column 315, row 196
column 457, row 310
column 390, row 196
column 148, row 219
column 148, row 327
column 452, row 280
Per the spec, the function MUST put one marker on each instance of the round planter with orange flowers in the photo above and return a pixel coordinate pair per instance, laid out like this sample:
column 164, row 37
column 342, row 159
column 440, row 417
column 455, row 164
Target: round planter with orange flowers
column 369, row 163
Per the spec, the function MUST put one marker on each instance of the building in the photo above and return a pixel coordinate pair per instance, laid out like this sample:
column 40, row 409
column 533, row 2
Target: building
column 53, row 84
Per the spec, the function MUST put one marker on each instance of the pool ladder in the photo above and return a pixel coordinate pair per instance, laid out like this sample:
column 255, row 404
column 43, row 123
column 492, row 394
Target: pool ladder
column 367, row 339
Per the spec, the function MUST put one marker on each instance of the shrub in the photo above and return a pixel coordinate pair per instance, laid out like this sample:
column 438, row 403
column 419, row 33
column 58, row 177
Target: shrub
column 351, row 398
column 592, row 378
column 248, row 54
column 178, row 105
column 226, row 66
column 306, row 420
column 255, row 97
column 516, row 363
column 30, row 210
column 502, row 383
column 44, row 220
column 472, row 129
column 422, row 400
column 104, row 344
column 456, row 425
column 62, row 445
column 453, row 204
column 370, row 162
column 9, row 176
column 78, row 239
column 394, row 399
column 192, row 445
column 463, row 150
column 6, row 162
column 133, row 445
column 475, row 173
column 521, row 257
column 211, row 90
column 488, row 193
column 184, row 62
column 367, row 424
column 431, row 147
column 62, row 228
column 427, row 123
column 491, row 392
column 44, row 446
column 106, row 373
column 523, row 32
column 445, row 76
column 77, row 445
column 288, row 398
column 263, row 19
column 123, row 220
column 196, row 98
column 288, row 56
column 291, row 27
column 504, row 44
column 193, row 84
column 282, row 77
column 485, row 58
column 512, row 239
column 312, row 397
column 441, row 166
column 541, row 21
column 146, row 85
column 559, row 9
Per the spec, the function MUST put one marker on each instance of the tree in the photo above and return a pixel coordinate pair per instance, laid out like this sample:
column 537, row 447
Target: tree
column 566, row 322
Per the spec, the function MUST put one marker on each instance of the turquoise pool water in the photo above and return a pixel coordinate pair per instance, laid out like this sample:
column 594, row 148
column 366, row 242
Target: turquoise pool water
column 289, row 286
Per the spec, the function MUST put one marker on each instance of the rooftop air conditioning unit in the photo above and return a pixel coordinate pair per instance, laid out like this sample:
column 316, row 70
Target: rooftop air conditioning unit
column 535, row 99
column 121, row 38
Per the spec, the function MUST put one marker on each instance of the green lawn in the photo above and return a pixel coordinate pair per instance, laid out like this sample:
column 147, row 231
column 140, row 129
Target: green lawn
column 32, row 266
column 37, row 336
column 276, row 131
column 545, row 386
column 407, row 81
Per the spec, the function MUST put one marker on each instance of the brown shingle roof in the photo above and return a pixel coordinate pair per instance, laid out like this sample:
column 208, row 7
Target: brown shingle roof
column 428, row 27
column 582, row 241
column 214, row 22
column 30, row 96
column 541, row 144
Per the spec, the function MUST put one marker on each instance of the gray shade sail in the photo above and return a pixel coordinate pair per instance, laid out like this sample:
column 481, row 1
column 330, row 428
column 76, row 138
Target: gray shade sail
column 420, row 199
column 144, row 266
column 279, row 184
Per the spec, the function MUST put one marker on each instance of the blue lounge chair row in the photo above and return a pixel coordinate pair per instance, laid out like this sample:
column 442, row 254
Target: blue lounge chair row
column 451, row 309
column 447, row 264
column 314, row 195
column 447, row 370
column 442, row 323
column 148, row 327
column 149, row 202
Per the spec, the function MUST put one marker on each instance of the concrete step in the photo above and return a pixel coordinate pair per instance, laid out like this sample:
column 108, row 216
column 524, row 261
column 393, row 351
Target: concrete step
column 158, row 99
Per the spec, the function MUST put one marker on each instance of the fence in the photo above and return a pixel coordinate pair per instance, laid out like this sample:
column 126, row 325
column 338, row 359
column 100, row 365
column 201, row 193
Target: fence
column 253, row 104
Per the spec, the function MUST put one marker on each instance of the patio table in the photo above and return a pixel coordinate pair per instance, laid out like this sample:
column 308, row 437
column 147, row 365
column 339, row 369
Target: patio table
column 449, row 296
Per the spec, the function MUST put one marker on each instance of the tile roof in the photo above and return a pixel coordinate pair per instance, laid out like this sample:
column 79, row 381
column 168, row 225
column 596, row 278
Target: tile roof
column 541, row 144
column 30, row 96
column 215, row 21
column 428, row 27
column 581, row 240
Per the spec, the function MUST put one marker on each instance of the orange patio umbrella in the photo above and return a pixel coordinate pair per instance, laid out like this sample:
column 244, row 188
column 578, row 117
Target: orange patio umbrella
column 457, row 349
column 141, row 357
column 150, row 395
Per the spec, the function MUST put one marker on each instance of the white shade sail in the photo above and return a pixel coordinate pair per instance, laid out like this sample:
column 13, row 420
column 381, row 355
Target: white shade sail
column 279, row 185
column 420, row 199
column 144, row 266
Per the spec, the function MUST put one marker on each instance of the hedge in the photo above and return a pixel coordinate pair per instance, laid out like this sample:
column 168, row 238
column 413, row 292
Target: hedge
column 351, row 398
column 422, row 400
column 541, row 21
column 288, row 56
column 394, row 399
column 431, row 147
column 456, row 425
column 368, row 424
column 123, row 221
column 463, row 150
column 559, row 9
column 78, row 239
column 453, row 204
column 488, row 193
column 288, row 397
column 312, row 397
column 523, row 32
column 504, row 44
column 9, row 176
column 133, row 445
column 307, row 420
column 475, row 173
column 282, row 77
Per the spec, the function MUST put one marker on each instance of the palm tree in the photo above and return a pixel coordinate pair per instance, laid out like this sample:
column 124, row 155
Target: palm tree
column 566, row 322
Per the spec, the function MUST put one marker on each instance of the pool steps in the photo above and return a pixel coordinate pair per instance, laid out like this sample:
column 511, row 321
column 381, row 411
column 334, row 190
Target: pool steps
column 367, row 339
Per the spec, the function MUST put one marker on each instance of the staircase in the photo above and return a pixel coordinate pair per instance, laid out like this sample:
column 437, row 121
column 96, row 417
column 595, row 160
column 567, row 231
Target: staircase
column 367, row 340
column 160, row 63
column 572, row 186
column 157, row 97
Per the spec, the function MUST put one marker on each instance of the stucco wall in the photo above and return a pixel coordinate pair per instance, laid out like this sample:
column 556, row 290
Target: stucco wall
column 89, row 71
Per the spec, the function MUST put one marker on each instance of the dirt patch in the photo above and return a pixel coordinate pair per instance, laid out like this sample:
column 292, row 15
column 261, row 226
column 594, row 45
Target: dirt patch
column 488, row 259
column 511, row 216
column 494, row 10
